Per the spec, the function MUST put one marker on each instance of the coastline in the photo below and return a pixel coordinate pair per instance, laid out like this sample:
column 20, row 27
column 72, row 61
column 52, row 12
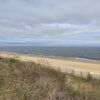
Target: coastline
column 86, row 60
column 84, row 65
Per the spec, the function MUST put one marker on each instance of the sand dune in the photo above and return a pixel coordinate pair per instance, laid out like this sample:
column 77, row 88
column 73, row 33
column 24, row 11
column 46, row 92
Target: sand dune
column 77, row 64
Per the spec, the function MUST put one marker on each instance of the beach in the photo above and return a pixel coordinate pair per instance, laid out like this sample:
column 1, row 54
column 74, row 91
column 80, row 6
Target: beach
column 84, row 65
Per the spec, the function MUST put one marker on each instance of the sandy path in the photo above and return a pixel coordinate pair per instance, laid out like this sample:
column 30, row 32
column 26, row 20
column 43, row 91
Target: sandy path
column 81, row 65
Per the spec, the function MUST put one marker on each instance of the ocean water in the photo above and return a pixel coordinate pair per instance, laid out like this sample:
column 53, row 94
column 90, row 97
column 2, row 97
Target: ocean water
column 75, row 52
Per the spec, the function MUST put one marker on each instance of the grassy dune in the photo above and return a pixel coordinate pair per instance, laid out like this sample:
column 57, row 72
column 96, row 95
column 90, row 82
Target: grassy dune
column 31, row 81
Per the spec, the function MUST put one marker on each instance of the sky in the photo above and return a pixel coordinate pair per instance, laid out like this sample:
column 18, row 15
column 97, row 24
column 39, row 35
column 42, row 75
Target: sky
column 50, row 22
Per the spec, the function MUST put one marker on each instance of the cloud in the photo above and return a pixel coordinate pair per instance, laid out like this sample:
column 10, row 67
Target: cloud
column 50, row 20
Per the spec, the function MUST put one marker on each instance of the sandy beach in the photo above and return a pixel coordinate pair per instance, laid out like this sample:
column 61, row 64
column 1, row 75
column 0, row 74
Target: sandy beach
column 85, row 65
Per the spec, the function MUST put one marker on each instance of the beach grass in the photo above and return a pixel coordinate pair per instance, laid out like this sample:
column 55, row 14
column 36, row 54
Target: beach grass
column 21, row 80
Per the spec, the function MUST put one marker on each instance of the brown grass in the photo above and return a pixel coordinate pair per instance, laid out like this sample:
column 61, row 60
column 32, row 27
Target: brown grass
column 31, row 81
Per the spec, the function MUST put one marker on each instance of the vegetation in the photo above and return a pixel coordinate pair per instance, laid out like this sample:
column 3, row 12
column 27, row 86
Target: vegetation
column 31, row 81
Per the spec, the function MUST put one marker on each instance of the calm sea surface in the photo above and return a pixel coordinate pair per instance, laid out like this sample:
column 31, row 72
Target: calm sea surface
column 75, row 52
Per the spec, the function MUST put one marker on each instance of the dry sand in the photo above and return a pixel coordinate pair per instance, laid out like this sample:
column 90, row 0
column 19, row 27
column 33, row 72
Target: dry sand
column 92, row 66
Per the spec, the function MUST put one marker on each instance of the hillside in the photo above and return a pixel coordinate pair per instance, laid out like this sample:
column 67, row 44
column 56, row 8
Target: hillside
column 21, row 80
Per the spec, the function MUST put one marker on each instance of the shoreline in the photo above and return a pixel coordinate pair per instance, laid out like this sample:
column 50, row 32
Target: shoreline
column 85, row 65
column 54, row 57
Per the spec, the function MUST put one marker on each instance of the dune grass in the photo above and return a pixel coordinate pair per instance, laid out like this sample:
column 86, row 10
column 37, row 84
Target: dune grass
column 31, row 81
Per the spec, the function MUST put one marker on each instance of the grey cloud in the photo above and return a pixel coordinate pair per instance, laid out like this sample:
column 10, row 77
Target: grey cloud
column 52, row 10
column 49, row 18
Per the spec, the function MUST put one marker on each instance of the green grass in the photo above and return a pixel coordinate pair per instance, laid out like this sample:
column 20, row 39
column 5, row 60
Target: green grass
column 31, row 81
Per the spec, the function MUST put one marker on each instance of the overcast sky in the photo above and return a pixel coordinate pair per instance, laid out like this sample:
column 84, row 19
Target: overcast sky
column 50, row 22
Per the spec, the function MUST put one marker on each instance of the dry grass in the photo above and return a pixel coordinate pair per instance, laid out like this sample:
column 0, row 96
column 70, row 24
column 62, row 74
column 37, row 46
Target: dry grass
column 31, row 81
column 90, row 88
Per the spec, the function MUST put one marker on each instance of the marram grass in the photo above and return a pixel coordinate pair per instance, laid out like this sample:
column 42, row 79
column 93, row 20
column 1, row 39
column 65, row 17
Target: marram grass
column 31, row 81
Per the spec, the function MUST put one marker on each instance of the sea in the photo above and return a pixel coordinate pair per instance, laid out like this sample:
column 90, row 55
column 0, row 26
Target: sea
column 73, row 52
